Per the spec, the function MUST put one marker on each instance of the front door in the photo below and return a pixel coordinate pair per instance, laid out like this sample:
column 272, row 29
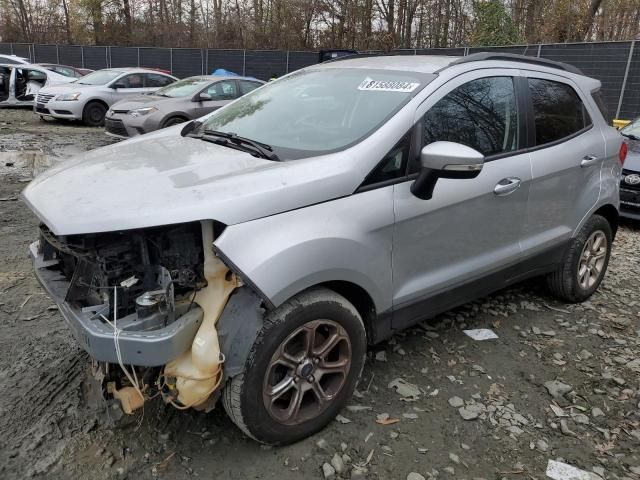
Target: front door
column 221, row 93
column 465, row 240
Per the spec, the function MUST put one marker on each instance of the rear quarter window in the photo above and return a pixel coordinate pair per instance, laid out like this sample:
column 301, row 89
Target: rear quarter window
column 597, row 97
column 558, row 111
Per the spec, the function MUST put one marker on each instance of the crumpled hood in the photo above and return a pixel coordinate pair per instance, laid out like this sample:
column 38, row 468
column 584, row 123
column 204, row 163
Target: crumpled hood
column 163, row 178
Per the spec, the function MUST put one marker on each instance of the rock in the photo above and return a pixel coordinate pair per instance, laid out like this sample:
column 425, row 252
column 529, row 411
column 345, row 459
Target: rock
column 450, row 470
column 471, row 412
column 163, row 437
column 581, row 418
column 322, row 444
column 542, row 445
column 456, row 402
column 557, row 389
column 359, row 473
column 358, row 408
column 635, row 470
column 536, row 331
column 404, row 388
column 382, row 417
column 340, row 419
column 410, row 416
column 381, row 356
column 454, row 458
column 328, row 471
column 337, row 463
column 343, row 446
column 565, row 429
column 549, row 333
column 515, row 430
column 415, row 476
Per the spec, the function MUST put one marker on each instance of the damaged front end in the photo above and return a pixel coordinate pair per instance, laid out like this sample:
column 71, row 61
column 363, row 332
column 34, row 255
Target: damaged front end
column 145, row 304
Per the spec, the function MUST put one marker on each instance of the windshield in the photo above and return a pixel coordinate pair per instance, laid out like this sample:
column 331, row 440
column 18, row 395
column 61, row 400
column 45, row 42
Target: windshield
column 318, row 111
column 633, row 129
column 183, row 88
column 99, row 78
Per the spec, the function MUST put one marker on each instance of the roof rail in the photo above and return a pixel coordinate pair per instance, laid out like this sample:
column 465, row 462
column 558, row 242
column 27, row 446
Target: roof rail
column 512, row 57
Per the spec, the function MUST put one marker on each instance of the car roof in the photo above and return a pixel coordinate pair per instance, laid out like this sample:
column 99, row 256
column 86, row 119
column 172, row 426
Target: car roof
column 411, row 63
column 205, row 78
column 133, row 70
column 437, row 63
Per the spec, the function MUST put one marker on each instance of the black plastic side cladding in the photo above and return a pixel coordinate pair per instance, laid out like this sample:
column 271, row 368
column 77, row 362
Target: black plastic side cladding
column 238, row 328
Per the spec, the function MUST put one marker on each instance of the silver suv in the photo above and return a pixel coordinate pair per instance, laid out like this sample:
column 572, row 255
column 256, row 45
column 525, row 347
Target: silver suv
column 252, row 255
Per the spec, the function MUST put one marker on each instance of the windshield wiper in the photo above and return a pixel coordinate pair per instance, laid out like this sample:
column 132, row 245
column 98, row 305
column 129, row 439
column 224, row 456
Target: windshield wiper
column 234, row 141
column 630, row 136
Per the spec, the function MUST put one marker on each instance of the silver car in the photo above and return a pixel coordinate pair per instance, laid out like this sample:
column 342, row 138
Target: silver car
column 179, row 102
column 253, row 255
column 88, row 98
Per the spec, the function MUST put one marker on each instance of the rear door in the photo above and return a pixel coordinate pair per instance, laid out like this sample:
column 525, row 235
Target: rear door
column 464, row 241
column 566, row 158
column 132, row 85
column 154, row 81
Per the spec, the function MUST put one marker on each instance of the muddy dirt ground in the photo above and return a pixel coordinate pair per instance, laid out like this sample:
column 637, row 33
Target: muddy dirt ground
column 481, row 409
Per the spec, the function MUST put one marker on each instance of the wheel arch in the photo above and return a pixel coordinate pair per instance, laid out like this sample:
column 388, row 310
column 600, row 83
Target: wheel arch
column 95, row 100
column 611, row 215
column 171, row 115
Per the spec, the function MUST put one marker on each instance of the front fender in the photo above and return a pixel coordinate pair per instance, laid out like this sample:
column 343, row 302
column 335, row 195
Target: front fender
column 347, row 239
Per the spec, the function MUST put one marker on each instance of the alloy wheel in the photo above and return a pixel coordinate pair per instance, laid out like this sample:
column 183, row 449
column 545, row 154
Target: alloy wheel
column 592, row 260
column 307, row 371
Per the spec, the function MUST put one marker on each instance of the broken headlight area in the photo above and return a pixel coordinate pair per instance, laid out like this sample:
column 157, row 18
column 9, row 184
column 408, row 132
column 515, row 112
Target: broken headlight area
column 139, row 272
column 147, row 298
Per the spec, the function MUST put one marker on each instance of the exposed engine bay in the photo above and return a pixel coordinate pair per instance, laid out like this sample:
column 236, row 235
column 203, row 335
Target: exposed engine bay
column 149, row 298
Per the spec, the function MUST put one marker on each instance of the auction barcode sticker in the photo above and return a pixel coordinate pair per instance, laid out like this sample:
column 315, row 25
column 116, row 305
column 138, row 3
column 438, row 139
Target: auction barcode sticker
column 387, row 86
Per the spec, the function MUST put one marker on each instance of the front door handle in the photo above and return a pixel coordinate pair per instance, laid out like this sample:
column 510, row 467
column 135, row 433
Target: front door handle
column 507, row 185
column 589, row 160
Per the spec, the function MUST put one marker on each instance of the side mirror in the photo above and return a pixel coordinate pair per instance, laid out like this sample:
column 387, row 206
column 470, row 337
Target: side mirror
column 118, row 85
column 202, row 97
column 445, row 160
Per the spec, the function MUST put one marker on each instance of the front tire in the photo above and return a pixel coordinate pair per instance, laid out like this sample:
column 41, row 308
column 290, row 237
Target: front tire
column 93, row 114
column 301, row 371
column 585, row 262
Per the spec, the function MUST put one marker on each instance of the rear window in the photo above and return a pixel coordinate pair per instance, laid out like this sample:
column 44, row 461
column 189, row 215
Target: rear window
column 558, row 110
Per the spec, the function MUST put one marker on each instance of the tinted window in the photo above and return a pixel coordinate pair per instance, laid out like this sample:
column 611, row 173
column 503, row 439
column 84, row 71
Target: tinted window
column 481, row 114
column 246, row 86
column 225, row 90
column 153, row 80
column 134, row 80
column 394, row 164
column 557, row 109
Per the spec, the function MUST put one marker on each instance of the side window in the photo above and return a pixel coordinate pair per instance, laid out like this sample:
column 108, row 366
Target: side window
column 153, row 80
column 133, row 80
column 224, row 90
column 246, row 86
column 557, row 109
column 394, row 163
column 481, row 114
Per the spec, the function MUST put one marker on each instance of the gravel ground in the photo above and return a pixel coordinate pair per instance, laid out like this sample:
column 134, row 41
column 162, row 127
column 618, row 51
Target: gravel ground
column 561, row 382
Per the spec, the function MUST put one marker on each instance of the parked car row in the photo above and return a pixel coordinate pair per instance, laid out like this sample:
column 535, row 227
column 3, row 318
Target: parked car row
column 128, row 101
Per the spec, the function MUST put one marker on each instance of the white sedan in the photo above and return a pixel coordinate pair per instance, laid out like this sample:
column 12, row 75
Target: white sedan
column 20, row 83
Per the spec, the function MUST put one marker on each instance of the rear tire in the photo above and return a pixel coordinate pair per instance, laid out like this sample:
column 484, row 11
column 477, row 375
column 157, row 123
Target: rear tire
column 585, row 262
column 93, row 114
column 290, row 390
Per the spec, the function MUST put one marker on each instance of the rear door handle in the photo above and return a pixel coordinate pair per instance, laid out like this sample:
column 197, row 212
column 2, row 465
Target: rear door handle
column 507, row 185
column 589, row 160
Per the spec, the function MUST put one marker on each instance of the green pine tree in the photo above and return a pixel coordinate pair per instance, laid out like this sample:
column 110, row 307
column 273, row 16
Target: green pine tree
column 493, row 24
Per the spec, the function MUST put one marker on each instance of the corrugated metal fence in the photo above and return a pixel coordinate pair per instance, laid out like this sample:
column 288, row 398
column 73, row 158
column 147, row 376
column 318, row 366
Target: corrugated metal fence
column 615, row 64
